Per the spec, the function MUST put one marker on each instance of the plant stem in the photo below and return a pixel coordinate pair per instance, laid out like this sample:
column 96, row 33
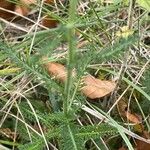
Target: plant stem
column 71, row 53
column 130, row 13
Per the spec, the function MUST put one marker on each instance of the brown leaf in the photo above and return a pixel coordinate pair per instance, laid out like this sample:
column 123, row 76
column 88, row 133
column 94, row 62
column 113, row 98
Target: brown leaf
column 133, row 117
column 22, row 10
column 8, row 6
column 96, row 88
column 28, row 2
column 125, row 113
column 52, row 1
column 58, row 71
column 122, row 107
column 49, row 1
column 141, row 145
column 49, row 22
column 93, row 88
column 122, row 148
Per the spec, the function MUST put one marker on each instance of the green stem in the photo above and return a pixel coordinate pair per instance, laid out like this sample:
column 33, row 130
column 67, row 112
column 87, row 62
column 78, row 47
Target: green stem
column 72, row 138
column 71, row 53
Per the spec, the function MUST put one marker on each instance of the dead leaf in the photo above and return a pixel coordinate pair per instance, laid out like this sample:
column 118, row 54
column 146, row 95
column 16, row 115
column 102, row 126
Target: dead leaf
column 141, row 145
column 49, row 22
column 28, row 2
column 122, row 148
column 133, row 117
column 52, row 1
column 22, row 10
column 122, row 107
column 93, row 88
column 8, row 6
column 58, row 71
column 96, row 88
column 125, row 112
column 49, row 1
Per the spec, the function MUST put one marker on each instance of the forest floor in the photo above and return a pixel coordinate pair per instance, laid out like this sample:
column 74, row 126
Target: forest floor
column 74, row 75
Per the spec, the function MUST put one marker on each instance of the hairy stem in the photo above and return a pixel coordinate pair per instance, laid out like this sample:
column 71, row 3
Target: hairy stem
column 71, row 53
